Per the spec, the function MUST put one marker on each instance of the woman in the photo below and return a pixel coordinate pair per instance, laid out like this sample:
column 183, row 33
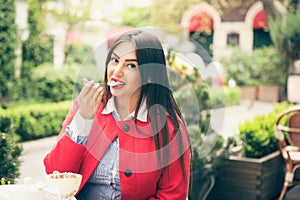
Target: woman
column 128, row 140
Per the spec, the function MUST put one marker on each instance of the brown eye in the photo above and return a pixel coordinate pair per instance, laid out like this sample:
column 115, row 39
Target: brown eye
column 114, row 60
column 131, row 66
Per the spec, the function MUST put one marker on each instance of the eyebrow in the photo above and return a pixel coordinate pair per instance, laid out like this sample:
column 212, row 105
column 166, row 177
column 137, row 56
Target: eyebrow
column 127, row 60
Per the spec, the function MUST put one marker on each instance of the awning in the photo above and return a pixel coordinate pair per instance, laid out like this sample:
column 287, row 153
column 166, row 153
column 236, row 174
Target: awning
column 201, row 22
column 260, row 21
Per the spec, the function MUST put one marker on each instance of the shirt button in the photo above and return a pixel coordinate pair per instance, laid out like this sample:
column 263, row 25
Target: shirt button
column 126, row 127
column 112, row 185
column 127, row 172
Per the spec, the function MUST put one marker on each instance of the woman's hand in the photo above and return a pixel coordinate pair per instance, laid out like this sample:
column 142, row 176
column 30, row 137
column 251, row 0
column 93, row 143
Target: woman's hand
column 90, row 99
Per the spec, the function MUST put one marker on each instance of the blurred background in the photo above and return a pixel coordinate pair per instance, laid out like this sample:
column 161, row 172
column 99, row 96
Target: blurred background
column 220, row 52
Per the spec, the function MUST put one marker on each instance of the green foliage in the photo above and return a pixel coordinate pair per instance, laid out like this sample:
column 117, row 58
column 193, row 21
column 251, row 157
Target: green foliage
column 9, row 44
column 38, row 48
column 257, row 136
column 193, row 115
column 271, row 66
column 136, row 17
column 48, row 84
column 5, row 182
column 33, row 121
column 231, row 95
column 55, row 84
column 209, row 152
column 169, row 11
column 35, row 17
column 239, row 66
column 72, row 13
column 76, row 53
column 214, row 157
column 264, row 66
column 9, row 152
column 285, row 34
column 205, row 39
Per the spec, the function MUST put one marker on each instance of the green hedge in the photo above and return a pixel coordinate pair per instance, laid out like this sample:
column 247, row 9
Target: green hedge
column 231, row 95
column 77, row 53
column 48, row 84
column 35, row 121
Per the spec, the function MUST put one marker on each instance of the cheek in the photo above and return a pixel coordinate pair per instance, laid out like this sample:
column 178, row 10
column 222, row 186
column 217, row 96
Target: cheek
column 109, row 73
column 137, row 78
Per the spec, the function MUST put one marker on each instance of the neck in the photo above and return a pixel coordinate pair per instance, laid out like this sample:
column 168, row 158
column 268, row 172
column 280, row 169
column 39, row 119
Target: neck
column 125, row 107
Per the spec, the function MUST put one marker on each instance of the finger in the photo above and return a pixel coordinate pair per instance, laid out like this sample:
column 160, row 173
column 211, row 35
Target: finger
column 98, row 98
column 87, row 87
column 84, row 80
column 90, row 94
column 99, row 94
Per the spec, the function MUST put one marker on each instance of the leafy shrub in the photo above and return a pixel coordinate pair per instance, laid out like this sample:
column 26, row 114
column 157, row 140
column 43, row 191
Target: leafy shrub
column 36, row 120
column 257, row 136
column 240, row 67
column 9, row 152
column 9, row 157
column 136, row 17
column 38, row 48
column 76, row 53
column 48, row 84
column 231, row 95
column 271, row 66
column 285, row 34
column 8, row 48
column 209, row 152
column 263, row 66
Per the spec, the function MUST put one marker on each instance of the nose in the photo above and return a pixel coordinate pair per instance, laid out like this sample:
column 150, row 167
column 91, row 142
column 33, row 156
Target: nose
column 119, row 70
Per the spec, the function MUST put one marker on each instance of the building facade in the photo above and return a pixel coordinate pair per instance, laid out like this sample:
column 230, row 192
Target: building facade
column 245, row 26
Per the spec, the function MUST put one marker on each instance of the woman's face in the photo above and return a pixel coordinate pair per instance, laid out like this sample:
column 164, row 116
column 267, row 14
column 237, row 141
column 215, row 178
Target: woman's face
column 123, row 73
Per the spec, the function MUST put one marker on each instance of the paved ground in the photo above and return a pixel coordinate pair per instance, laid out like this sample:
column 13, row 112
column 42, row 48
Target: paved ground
column 34, row 151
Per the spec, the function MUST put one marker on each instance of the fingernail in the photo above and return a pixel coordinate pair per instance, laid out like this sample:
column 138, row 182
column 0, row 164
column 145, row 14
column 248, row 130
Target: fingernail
column 90, row 83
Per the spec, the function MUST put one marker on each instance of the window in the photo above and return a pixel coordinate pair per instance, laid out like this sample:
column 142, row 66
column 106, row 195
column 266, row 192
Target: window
column 233, row 39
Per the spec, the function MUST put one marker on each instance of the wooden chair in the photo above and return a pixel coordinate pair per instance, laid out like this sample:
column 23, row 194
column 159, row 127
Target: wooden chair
column 289, row 144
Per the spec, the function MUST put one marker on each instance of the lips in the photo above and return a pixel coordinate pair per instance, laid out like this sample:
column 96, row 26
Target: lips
column 116, row 83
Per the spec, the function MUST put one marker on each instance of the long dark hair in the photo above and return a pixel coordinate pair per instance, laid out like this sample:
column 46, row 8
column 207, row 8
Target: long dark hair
column 155, row 90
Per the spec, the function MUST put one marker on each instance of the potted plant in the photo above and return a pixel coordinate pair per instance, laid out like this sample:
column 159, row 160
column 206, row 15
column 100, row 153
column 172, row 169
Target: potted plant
column 256, row 171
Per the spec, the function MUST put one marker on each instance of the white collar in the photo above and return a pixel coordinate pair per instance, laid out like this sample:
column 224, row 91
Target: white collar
column 141, row 116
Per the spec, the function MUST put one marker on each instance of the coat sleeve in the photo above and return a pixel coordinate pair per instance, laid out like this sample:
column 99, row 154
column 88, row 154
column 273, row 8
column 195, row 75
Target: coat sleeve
column 66, row 156
column 174, row 180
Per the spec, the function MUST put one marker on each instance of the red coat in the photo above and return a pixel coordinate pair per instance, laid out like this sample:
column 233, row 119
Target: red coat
column 140, row 176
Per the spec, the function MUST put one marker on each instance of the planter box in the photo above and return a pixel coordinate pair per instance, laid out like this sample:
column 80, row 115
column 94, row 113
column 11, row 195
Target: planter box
column 250, row 178
column 269, row 93
column 248, row 93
